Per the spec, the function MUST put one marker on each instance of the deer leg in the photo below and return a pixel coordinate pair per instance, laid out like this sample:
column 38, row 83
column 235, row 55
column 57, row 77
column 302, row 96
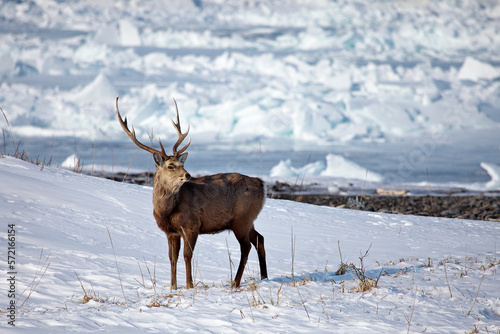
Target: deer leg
column 245, row 249
column 189, row 243
column 174, row 245
column 258, row 241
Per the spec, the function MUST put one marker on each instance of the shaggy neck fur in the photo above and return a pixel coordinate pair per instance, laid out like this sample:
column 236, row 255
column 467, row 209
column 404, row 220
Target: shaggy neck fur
column 165, row 195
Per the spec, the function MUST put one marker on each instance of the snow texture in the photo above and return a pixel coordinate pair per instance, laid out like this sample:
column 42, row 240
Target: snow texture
column 336, row 166
column 435, row 275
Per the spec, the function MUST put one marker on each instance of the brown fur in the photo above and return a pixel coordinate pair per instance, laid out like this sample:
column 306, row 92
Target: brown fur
column 205, row 205
column 187, row 207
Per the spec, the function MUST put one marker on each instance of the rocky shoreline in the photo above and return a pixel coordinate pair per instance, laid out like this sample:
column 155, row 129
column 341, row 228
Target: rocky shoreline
column 477, row 207
column 480, row 206
column 456, row 204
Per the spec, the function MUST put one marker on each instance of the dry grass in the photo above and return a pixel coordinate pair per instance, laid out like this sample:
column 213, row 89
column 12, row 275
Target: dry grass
column 17, row 152
column 41, row 269
column 117, row 269
column 90, row 294
column 365, row 283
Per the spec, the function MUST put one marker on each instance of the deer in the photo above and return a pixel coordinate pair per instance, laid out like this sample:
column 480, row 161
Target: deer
column 185, row 206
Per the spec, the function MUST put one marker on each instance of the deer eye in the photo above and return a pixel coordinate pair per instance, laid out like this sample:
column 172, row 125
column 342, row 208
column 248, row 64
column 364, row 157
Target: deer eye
column 170, row 167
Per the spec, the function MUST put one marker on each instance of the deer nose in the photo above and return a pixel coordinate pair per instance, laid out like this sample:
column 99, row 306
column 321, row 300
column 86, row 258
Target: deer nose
column 187, row 176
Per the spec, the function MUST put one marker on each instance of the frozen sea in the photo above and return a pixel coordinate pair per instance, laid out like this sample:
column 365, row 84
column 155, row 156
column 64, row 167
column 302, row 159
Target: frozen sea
column 390, row 92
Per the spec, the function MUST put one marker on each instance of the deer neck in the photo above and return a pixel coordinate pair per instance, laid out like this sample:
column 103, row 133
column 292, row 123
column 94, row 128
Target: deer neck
column 165, row 196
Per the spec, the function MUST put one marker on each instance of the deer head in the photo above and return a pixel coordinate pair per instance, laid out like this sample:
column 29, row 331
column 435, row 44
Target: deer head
column 169, row 169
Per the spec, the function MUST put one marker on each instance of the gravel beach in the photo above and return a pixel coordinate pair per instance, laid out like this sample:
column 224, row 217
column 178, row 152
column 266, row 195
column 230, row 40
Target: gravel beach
column 478, row 207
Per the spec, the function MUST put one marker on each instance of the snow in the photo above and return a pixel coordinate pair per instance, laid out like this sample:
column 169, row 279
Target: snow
column 436, row 275
column 336, row 166
column 408, row 92
column 475, row 70
column 359, row 95
column 100, row 90
column 330, row 72
column 494, row 172
column 285, row 169
column 71, row 162
column 295, row 77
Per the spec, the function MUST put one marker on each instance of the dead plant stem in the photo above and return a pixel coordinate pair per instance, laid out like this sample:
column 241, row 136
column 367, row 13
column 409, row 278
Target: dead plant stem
column 117, row 269
column 477, row 293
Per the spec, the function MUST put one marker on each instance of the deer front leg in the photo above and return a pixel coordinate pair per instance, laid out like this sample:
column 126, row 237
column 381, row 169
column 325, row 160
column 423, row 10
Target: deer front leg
column 174, row 246
column 189, row 243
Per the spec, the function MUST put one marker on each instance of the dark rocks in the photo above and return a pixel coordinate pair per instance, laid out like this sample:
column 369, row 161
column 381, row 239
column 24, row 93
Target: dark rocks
column 465, row 207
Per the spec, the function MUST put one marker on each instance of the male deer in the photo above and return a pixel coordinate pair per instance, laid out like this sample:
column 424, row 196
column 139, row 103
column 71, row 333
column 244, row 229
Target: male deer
column 186, row 206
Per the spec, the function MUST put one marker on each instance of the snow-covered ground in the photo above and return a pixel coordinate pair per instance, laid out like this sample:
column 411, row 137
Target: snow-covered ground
column 407, row 90
column 74, row 232
column 401, row 94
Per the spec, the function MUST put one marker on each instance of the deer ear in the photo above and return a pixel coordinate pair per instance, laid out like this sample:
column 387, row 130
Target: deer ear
column 158, row 160
column 182, row 158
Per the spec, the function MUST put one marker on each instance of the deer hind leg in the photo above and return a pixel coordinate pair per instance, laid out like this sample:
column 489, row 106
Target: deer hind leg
column 189, row 243
column 245, row 247
column 174, row 245
column 258, row 241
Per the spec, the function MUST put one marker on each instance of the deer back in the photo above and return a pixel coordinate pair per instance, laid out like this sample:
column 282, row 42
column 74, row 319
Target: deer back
column 211, row 204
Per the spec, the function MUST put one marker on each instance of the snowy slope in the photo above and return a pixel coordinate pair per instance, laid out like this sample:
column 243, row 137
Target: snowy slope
column 439, row 275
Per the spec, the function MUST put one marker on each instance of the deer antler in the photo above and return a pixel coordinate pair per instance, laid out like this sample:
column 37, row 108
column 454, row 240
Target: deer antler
column 181, row 135
column 131, row 134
